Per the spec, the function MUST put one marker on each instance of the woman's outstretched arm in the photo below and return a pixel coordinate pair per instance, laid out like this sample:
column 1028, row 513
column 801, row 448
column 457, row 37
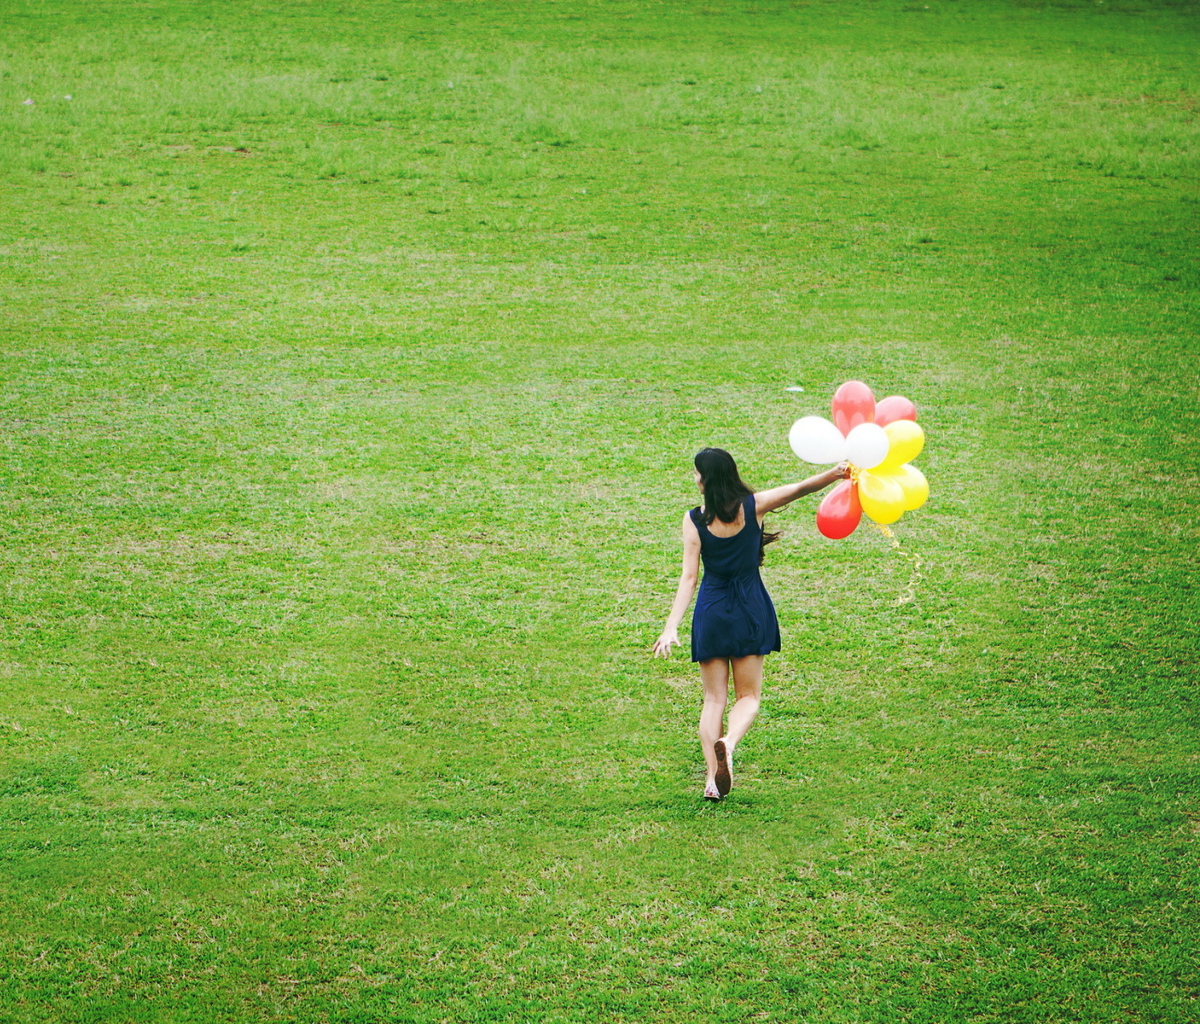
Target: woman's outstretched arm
column 685, row 590
column 777, row 497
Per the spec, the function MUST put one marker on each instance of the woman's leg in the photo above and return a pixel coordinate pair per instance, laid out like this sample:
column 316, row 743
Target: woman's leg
column 747, row 687
column 715, row 675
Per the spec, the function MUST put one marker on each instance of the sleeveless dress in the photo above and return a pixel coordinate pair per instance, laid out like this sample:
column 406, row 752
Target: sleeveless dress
column 734, row 616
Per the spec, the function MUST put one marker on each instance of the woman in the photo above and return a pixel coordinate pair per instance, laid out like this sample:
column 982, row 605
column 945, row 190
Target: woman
column 734, row 625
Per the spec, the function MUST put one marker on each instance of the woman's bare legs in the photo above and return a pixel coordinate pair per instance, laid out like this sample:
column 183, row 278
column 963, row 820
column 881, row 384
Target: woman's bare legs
column 715, row 675
column 747, row 687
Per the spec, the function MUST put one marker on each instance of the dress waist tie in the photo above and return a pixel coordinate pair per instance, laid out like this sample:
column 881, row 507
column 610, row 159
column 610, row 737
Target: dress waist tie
column 742, row 588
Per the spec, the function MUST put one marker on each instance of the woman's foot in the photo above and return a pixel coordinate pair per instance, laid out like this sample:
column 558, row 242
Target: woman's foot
column 724, row 776
column 710, row 792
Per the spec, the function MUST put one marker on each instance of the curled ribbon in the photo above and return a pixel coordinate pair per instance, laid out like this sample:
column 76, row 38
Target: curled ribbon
column 909, row 592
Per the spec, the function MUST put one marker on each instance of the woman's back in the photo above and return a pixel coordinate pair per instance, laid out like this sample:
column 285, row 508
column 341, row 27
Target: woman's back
column 734, row 554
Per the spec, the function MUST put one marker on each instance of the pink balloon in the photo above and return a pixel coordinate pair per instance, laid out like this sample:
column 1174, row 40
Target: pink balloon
column 894, row 407
column 853, row 403
column 839, row 512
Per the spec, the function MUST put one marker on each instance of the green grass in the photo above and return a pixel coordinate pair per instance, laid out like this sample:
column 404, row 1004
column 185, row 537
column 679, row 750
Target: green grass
column 352, row 361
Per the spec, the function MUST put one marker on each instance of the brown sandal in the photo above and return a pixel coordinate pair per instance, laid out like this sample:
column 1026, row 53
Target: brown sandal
column 724, row 776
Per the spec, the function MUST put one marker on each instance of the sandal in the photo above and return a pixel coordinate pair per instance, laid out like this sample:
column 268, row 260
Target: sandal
column 724, row 776
column 710, row 792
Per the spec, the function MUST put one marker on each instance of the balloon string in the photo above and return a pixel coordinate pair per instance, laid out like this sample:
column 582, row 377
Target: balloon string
column 909, row 593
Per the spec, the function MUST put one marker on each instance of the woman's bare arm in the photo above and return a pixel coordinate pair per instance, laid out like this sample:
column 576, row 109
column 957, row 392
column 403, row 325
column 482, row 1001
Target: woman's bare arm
column 777, row 497
column 687, row 587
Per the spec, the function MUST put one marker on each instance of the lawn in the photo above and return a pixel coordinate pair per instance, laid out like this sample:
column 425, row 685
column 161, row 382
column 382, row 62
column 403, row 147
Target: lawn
column 352, row 360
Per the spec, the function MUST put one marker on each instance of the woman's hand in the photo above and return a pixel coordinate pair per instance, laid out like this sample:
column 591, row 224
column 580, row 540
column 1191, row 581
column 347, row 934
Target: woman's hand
column 844, row 470
column 662, row 646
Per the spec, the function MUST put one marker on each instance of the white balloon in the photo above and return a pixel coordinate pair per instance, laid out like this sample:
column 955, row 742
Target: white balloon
column 815, row 439
column 867, row 445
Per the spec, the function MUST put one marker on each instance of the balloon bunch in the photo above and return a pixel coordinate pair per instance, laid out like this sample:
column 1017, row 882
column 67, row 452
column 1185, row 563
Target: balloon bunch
column 878, row 440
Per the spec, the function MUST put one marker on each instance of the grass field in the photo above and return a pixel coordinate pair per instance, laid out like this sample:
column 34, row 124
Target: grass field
column 352, row 361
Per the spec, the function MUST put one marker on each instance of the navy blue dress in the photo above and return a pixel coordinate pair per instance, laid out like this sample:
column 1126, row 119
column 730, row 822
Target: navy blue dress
column 734, row 616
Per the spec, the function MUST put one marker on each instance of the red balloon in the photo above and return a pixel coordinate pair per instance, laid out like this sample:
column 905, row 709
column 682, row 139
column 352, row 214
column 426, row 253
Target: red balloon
column 840, row 511
column 853, row 403
column 894, row 407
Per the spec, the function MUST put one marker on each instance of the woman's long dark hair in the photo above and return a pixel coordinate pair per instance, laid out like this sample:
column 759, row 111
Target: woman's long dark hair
column 724, row 490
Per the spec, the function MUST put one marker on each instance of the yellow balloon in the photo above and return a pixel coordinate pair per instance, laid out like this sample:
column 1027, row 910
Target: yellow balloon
column 914, row 485
column 881, row 497
column 911, row 482
column 905, row 441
